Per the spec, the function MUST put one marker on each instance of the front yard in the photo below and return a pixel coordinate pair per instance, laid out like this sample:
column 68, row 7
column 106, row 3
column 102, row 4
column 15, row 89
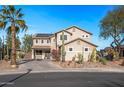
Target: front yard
column 109, row 64
column 4, row 65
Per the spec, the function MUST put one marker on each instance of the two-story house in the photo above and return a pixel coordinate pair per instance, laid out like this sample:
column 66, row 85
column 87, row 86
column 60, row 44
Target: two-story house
column 76, row 41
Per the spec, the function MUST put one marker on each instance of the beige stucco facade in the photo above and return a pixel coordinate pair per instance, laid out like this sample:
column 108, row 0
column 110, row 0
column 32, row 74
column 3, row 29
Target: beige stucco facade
column 77, row 39
column 78, row 47
column 79, row 33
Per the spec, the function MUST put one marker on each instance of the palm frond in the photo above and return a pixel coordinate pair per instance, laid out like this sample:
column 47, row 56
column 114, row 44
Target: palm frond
column 19, row 14
column 11, row 9
column 8, row 30
column 4, row 10
column 25, row 28
column 3, row 24
column 17, row 29
column 2, row 17
column 22, row 24
column 11, row 15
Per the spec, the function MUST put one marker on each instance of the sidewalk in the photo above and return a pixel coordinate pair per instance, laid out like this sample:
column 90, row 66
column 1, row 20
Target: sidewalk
column 19, row 71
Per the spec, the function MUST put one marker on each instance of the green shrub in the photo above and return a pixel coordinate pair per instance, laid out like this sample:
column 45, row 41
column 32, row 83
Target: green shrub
column 21, row 55
column 6, row 57
column 103, row 61
column 93, row 56
column 80, row 58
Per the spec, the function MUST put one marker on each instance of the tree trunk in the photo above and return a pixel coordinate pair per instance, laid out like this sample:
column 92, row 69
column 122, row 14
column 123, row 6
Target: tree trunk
column 13, row 58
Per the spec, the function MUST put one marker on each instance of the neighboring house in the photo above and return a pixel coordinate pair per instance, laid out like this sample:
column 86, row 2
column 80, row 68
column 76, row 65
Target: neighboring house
column 76, row 41
column 121, row 52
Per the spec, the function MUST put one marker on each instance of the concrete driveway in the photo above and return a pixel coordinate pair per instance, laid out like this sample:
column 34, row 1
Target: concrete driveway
column 38, row 65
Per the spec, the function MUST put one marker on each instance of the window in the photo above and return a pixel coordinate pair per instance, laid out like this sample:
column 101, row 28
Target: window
column 65, row 37
column 36, row 41
column 38, row 52
column 41, row 41
column 86, row 35
column 86, row 49
column 70, row 49
column 47, row 41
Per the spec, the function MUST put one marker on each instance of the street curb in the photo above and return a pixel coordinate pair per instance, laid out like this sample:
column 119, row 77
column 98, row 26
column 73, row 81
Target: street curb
column 66, row 70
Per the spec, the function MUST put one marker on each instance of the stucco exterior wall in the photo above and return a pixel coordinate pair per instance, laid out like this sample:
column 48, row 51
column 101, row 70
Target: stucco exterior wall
column 77, row 33
column 39, row 43
column 53, row 43
column 78, row 47
column 59, row 42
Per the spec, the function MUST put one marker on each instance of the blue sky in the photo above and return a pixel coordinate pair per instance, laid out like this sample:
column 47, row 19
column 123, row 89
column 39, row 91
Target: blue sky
column 50, row 19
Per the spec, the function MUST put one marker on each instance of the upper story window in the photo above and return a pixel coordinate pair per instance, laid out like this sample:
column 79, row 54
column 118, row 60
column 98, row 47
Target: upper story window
column 36, row 41
column 87, row 36
column 42, row 41
column 70, row 49
column 65, row 37
column 48, row 41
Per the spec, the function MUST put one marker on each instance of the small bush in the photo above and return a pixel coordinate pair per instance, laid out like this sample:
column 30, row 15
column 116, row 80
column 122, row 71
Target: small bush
column 80, row 58
column 56, row 54
column 21, row 55
column 6, row 57
column 103, row 61
column 93, row 56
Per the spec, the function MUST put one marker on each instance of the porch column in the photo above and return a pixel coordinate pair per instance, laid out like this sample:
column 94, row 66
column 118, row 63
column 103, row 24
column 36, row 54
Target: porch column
column 33, row 54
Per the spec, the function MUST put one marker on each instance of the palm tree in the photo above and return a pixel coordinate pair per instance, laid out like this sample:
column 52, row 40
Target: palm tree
column 11, row 20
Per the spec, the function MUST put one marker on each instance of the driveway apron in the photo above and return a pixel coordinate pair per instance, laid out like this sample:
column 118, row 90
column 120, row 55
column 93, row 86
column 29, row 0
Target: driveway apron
column 39, row 65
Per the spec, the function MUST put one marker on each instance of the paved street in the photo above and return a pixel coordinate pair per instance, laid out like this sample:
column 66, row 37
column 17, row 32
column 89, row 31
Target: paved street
column 63, row 79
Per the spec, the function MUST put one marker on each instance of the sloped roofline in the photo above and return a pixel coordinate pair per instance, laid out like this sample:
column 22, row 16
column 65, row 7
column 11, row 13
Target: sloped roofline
column 60, row 32
column 64, row 31
column 81, row 40
column 67, row 31
column 79, row 29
